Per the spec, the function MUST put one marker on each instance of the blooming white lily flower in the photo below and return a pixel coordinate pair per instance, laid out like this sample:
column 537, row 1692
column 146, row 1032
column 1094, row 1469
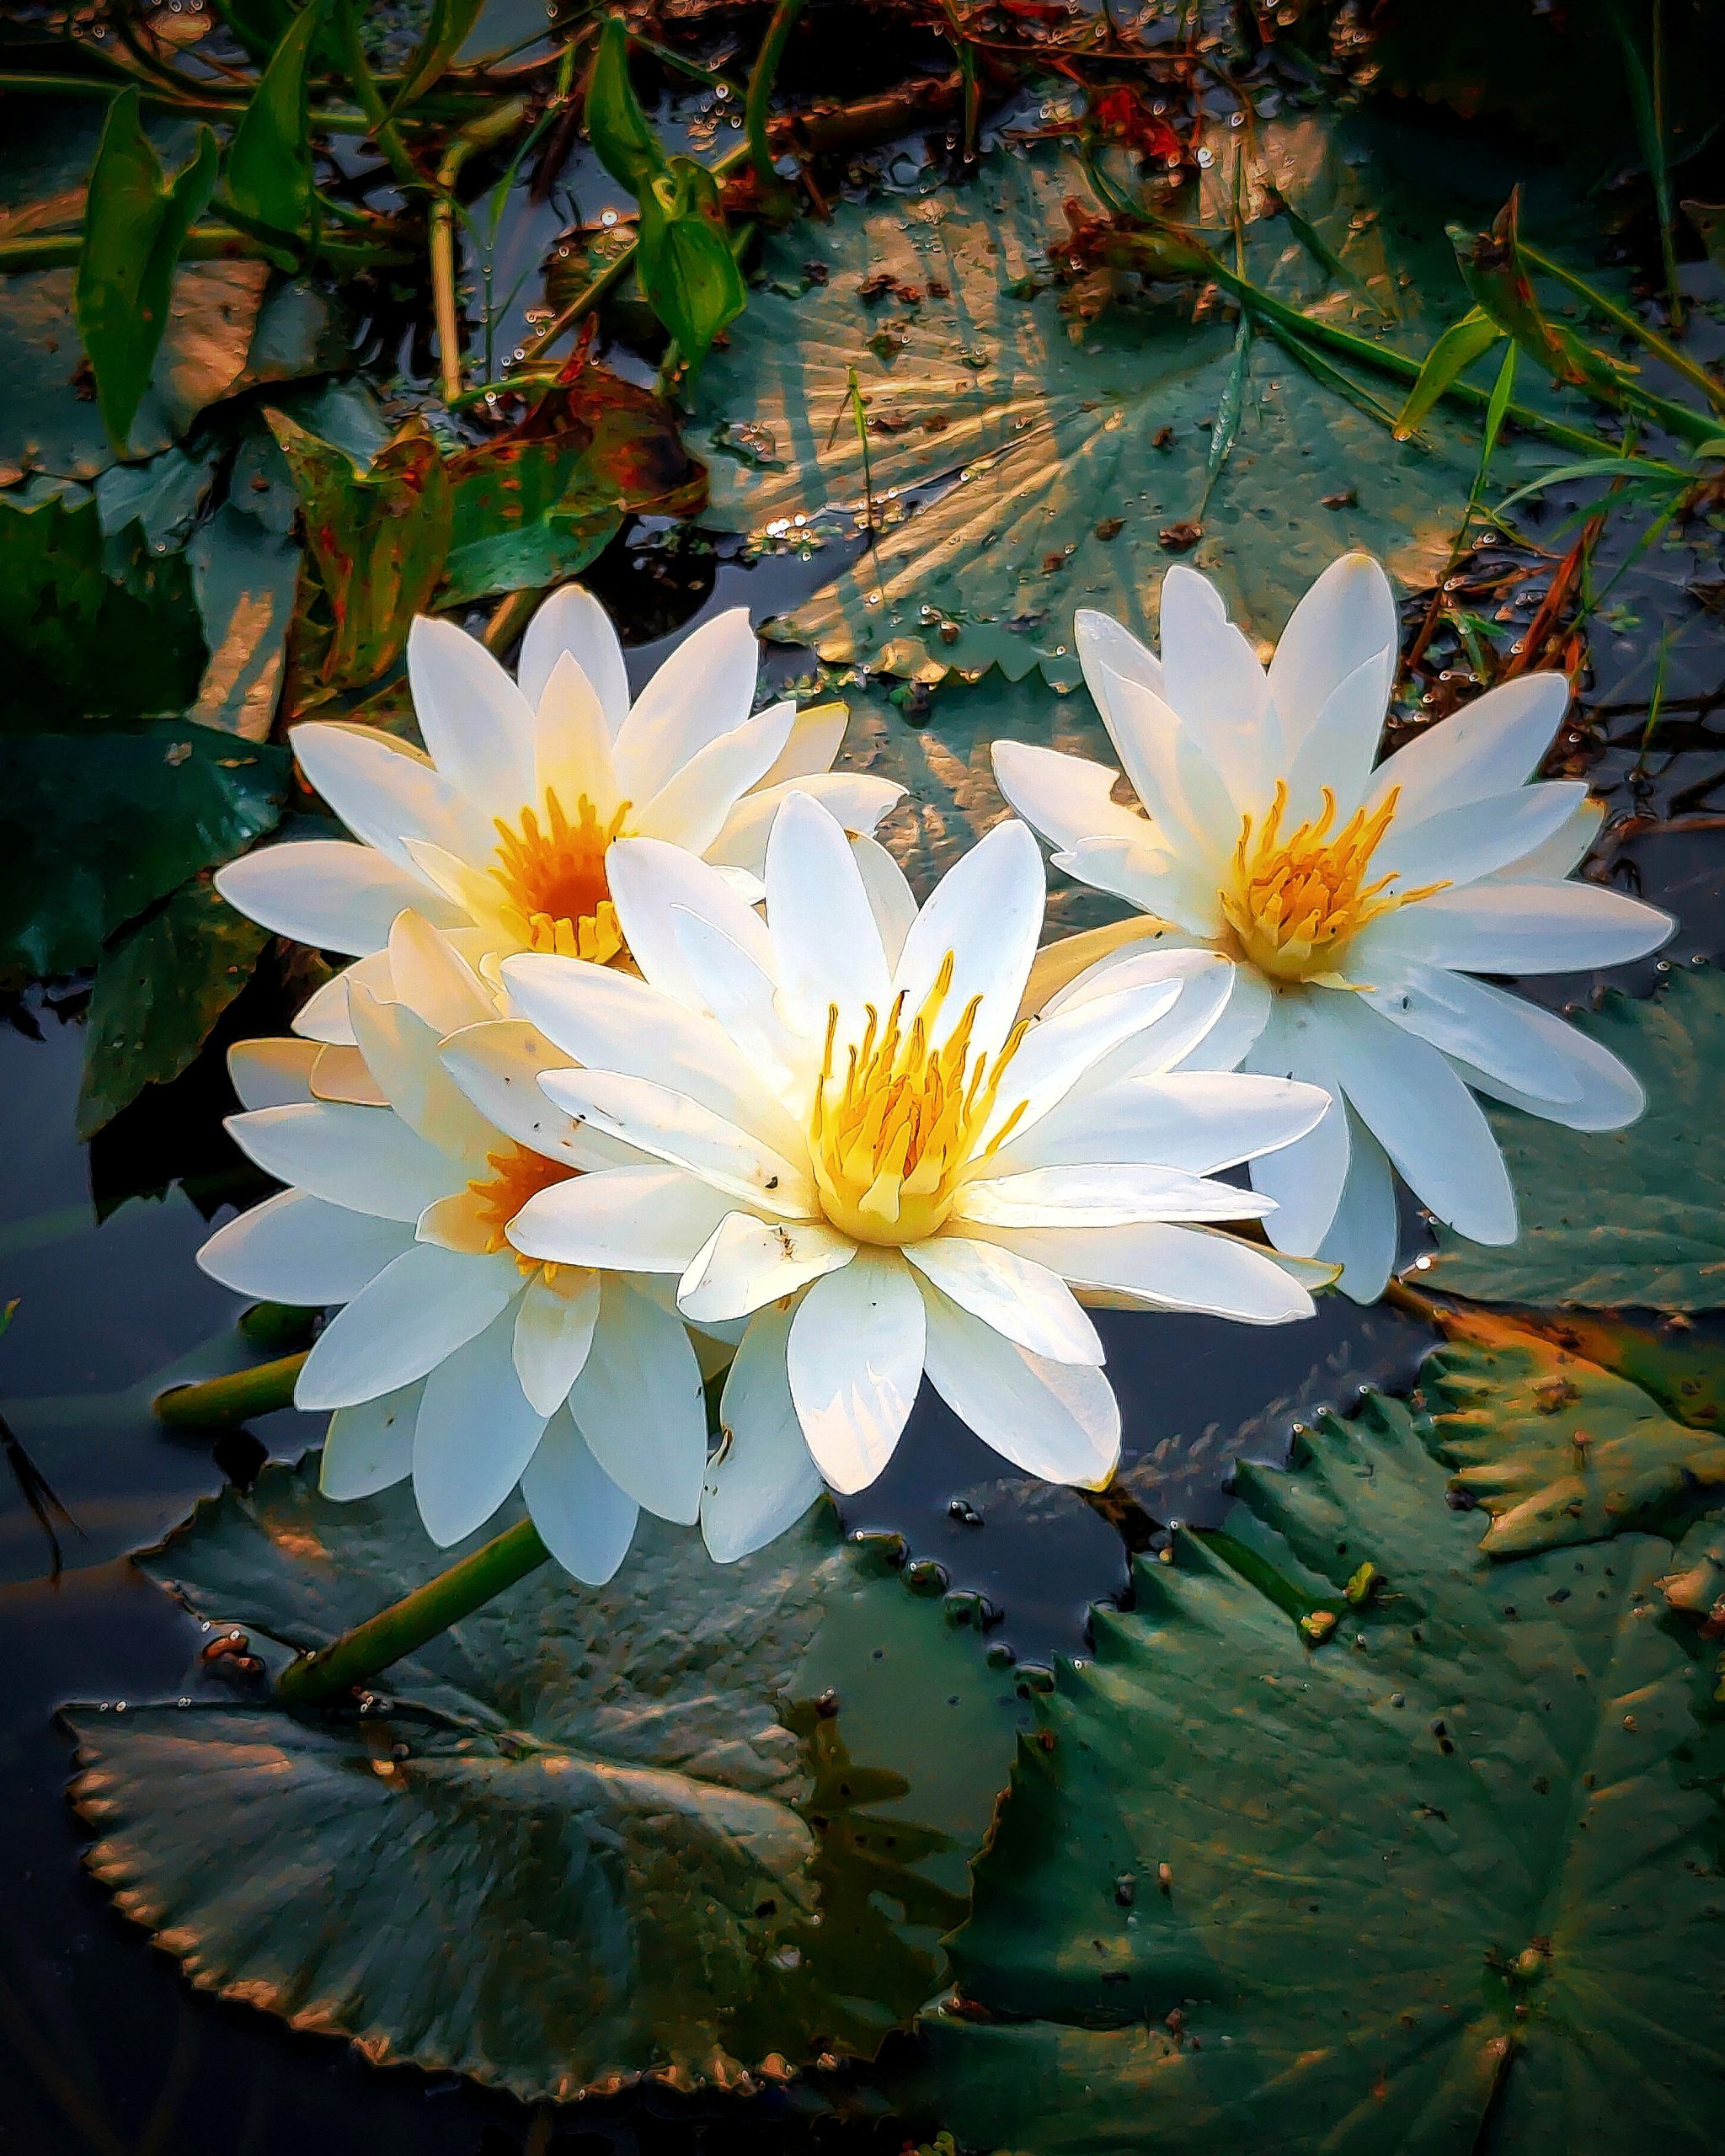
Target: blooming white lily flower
column 499, row 834
column 1356, row 898
column 455, row 1360
column 859, row 1147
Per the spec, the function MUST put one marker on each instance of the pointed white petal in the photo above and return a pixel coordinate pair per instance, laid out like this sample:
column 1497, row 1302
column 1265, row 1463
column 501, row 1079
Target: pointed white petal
column 1056, row 1419
column 1345, row 619
column 1337, row 750
column 817, row 734
column 1210, row 989
column 573, row 621
column 1107, row 648
column 475, row 1433
column 476, row 722
column 272, row 1074
column 855, row 1362
column 639, row 1404
column 890, row 899
column 1199, row 1121
column 1211, row 676
column 583, row 1519
column 364, row 1159
column 1069, row 957
column 1305, row 1179
column 859, row 799
column 369, row 1447
column 1162, row 885
column 693, row 805
column 987, row 912
column 383, row 790
column 328, row 894
column 323, row 1016
column 1022, row 1300
column 554, row 1322
column 400, row 1051
column 1486, row 1029
column 1103, row 1193
column 1067, row 798
column 681, row 1131
column 827, row 948
column 1060, row 1047
column 1607, row 1093
column 1171, row 1267
column 300, row 1250
column 649, row 881
column 435, row 981
column 650, row 1219
column 1479, row 838
column 762, row 1478
column 747, row 1262
column 1362, row 1238
column 421, row 1308
column 572, row 744
column 1487, row 748
column 498, row 1066
column 742, row 997
column 704, row 689
column 1567, row 848
column 1514, row 928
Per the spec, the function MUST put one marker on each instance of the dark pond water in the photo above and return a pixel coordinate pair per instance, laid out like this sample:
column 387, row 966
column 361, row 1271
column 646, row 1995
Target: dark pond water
column 104, row 2048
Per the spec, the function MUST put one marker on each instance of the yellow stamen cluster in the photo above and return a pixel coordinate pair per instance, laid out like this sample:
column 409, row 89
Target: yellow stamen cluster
column 1294, row 903
column 890, row 1141
column 516, row 1175
column 555, row 878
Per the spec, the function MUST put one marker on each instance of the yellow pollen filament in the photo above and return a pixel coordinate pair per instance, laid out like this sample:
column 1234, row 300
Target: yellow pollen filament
column 1294, row 903
column 890, row 1139
column 516, row 1175
column 555, row 878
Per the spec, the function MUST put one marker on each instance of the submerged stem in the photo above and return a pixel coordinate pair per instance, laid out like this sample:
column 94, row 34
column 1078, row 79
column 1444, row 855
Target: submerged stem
column 215, row 1403
column 492, row 128
column 357, row 1657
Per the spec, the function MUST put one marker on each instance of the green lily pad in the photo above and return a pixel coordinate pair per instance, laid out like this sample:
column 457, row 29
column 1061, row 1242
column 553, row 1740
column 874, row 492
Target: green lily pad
column 247, row 576
column 1061, row 452
column 1619, row 1217
column 97, row 643
column 702, row 1824
column 159, row 988
column 96, row 829
column 1449, row 1881
column 1553, row 1448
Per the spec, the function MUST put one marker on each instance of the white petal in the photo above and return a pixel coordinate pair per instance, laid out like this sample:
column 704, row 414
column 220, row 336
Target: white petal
column 431, row 977
column 1211, row 673
column 364, row 1159
column 638, row 1403
column 1162, row 885
column 762, row 1478
column 323, row 1016
column 859, row 799
column 369, row 1447
column 986, row 913
column 1057, row 1420
column 1566, row 849
column 1067, row 798
column 1363, row 1236
column 1103, row 1193
column 1346, row 618
column 583, row 1519
column 554, row 1322
column 1200, row 1121
column 649, row 882
column 1150, row 739
column 1171, row 1267
column 476, row 1432
column 1106, row 647
column 272, row 1074
column 1023, row 1301
column 1479, row 838
column 827, row 948
column 400, row 1051
column 1210, row 989
column 498, row 1066
column 1068, row 959
column 1488, row 747
column 1226, row 1043
column 423, row 1307
column 1423, row 1116
column 1609, row 1094
column 342, row 1074
column 572, row 744
column 1337, row 750
column 383, row 790
column 704, row 689
column 1305, row 1179
column 476, row 722
column 681, row 1131
column 573, row 621
column 855, row 1363
column 1514, row 928
column 1484, row 1028
column 300, row 1250
column 890, row 899
column 817, row 734
column 742, row 997
column 328, row 894
column 649, row 1220
column 691, row 808
column 748, row 1261
column 1062, row 1046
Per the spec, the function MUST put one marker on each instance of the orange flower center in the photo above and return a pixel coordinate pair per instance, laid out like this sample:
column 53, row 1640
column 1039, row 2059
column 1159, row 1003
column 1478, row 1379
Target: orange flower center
column 555, row 878
column 1294, row 903
column 516, row 1175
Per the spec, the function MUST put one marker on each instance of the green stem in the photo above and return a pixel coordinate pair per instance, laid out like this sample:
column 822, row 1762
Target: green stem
column 478, row 135
column 203, row 243
column 755, row 108
column 15, row 82
column 1622, row 319
column 216, row 1403
column 382, row 129
column 513, row 614
column 327, row 1673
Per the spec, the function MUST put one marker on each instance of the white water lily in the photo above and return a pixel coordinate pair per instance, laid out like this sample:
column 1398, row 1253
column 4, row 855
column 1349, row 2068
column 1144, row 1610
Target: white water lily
column 859, row 1148
column 497, row 833
column 454, row 1360
column 1357, row 899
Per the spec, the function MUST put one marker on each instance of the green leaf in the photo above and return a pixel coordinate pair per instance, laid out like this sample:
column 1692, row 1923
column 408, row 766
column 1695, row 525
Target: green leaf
column 99, row 644
column 621, row 135
column 135, row 224
column 1449, row 359
column 686, row 264
column 447, row 29
column 378, row 538
column 609, row 1833
column 269, row 176
column 1633, row 1218
column 1448, row 1880
column 1555, row 1449
column 95, row 830
column 159, row 990
column 1029, row 465
column 246, row 576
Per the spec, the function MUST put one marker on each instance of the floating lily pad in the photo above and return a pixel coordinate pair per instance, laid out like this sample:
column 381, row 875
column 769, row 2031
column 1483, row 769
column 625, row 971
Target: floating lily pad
column 1449, row 1879
column 1068, row 460
column 590, row 1836
column 1633, row 1217
column 1555, row 1449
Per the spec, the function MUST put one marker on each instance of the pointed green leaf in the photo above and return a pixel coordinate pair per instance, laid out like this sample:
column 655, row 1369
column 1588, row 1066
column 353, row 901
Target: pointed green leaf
column 1449, row 359
column 686, row 264
column 447, row 29
column 269, row 171
column 621, row 135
